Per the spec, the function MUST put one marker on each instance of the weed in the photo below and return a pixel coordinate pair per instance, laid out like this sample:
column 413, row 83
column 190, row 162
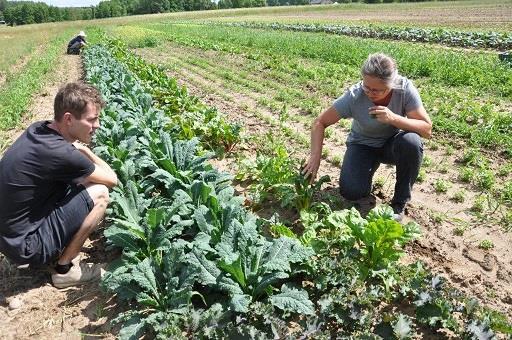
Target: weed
column 506, row 192
column 466, row 174
column 437, row 217
column 328, row 133
column 427, row 162
column 459, row 196
column 505, row 170
column 422, row 175
column 478, row 204
column 325, row 153
column 441, row 185
column 379, row 182
column 485, row 179
column 486, row 245
column 443, row 167
column 433, row 146
column 470, row 157
column 506, row 221
column 336, row 160
column 450, row 150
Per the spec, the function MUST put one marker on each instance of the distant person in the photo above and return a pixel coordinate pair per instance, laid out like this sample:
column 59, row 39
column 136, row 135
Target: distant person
column 54, row 190
column 388, row 120
column 76, row 44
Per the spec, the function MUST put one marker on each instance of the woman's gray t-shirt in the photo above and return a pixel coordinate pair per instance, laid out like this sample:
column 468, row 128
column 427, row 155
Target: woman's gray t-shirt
column 367, row 130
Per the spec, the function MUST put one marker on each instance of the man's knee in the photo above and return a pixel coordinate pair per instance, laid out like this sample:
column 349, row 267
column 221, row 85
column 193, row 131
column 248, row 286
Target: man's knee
column 99, row 194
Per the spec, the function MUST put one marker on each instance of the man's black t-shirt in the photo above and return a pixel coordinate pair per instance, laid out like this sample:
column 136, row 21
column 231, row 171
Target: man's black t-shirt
column 35, row 173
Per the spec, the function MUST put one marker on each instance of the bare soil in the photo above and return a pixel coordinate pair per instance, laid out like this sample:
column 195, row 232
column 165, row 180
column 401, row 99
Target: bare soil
column 482, row 16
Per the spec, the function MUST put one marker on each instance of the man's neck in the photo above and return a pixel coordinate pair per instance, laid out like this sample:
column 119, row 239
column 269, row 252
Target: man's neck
column 54, row 125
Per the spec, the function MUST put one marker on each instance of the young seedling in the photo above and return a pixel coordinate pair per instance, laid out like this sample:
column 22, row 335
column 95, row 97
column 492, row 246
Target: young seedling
column 443, row 167
column 466, row 174
column 336, row 160
column 450, row 150
column 459, row 196
column 422, row 175
column 478, row 205
column 441, row 186
column 459, row 230
column 379, row 182
column 427, row 162
column 486, row 244
column 485, row 179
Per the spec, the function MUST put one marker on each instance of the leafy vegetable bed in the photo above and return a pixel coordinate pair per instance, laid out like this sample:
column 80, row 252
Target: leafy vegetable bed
column 493, row 40
column 196, row 263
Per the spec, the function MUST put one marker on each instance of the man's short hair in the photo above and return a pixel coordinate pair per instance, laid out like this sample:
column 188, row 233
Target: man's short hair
column 73, row 98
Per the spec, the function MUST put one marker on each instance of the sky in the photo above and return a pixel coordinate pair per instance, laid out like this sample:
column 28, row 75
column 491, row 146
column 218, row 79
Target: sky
column 70, row 3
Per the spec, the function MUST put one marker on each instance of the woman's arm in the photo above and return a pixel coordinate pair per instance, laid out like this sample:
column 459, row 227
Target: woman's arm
column 417, row 120
column 327, row 118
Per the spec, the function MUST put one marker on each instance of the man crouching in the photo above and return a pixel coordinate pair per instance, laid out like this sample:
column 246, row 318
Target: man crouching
column 54, row 190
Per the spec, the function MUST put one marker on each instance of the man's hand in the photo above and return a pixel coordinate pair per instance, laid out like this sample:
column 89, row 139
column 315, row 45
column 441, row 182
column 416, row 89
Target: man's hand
column 81, row 146
column 310, row 169
column 382, row 114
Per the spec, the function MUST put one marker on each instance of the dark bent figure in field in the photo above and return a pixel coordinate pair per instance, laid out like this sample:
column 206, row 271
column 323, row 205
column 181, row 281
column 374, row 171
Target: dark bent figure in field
column 54, row 190
column 388, row 121
column 76, row 44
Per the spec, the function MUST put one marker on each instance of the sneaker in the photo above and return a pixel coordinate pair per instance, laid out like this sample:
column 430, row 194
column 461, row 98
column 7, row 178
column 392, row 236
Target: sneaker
column 78, row 274
column 398, row 211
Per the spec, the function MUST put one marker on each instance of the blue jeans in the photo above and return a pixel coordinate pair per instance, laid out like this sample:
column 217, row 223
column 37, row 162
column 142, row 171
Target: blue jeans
column 405, row 150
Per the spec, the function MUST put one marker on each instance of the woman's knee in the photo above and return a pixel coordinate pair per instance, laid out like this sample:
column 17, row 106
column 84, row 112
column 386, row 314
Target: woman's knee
column 353, row 192
column 410, row 142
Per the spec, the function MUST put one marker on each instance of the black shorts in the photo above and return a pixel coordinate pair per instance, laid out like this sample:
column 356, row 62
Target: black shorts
column 58, row 228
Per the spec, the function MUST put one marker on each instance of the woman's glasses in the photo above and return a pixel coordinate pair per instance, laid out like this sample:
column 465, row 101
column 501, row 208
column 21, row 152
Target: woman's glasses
column 374, row 91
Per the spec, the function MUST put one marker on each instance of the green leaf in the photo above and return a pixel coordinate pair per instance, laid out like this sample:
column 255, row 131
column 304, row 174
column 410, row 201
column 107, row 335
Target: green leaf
column 240, row 303
column 402, row 327
column 293, row 300
column 235, row 269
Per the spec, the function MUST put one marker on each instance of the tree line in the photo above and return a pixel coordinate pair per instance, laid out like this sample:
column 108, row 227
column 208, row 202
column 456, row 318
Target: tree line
column 29, row 12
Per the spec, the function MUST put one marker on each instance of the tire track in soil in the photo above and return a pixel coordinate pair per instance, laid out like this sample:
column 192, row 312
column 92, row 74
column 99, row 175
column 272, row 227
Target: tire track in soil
column 47, row 312
column 444, row 252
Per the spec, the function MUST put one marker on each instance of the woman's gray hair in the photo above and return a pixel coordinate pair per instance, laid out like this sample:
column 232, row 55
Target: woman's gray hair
column 380, row 66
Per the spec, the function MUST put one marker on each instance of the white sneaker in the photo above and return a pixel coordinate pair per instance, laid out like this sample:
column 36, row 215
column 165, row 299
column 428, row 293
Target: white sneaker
column 78, row 274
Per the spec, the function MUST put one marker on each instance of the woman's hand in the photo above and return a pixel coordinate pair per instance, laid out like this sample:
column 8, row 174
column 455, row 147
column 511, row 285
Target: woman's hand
column 310, row 169
column 382, row 114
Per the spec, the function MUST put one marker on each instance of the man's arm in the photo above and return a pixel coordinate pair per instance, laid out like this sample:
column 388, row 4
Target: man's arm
column 103, row 173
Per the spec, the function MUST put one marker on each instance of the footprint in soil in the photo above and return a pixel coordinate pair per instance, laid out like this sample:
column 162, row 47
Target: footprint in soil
column 486, row 260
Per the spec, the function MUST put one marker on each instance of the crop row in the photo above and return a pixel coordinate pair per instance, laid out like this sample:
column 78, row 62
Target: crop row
column 451, row 83
column 494, row 40
column 195, row 260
